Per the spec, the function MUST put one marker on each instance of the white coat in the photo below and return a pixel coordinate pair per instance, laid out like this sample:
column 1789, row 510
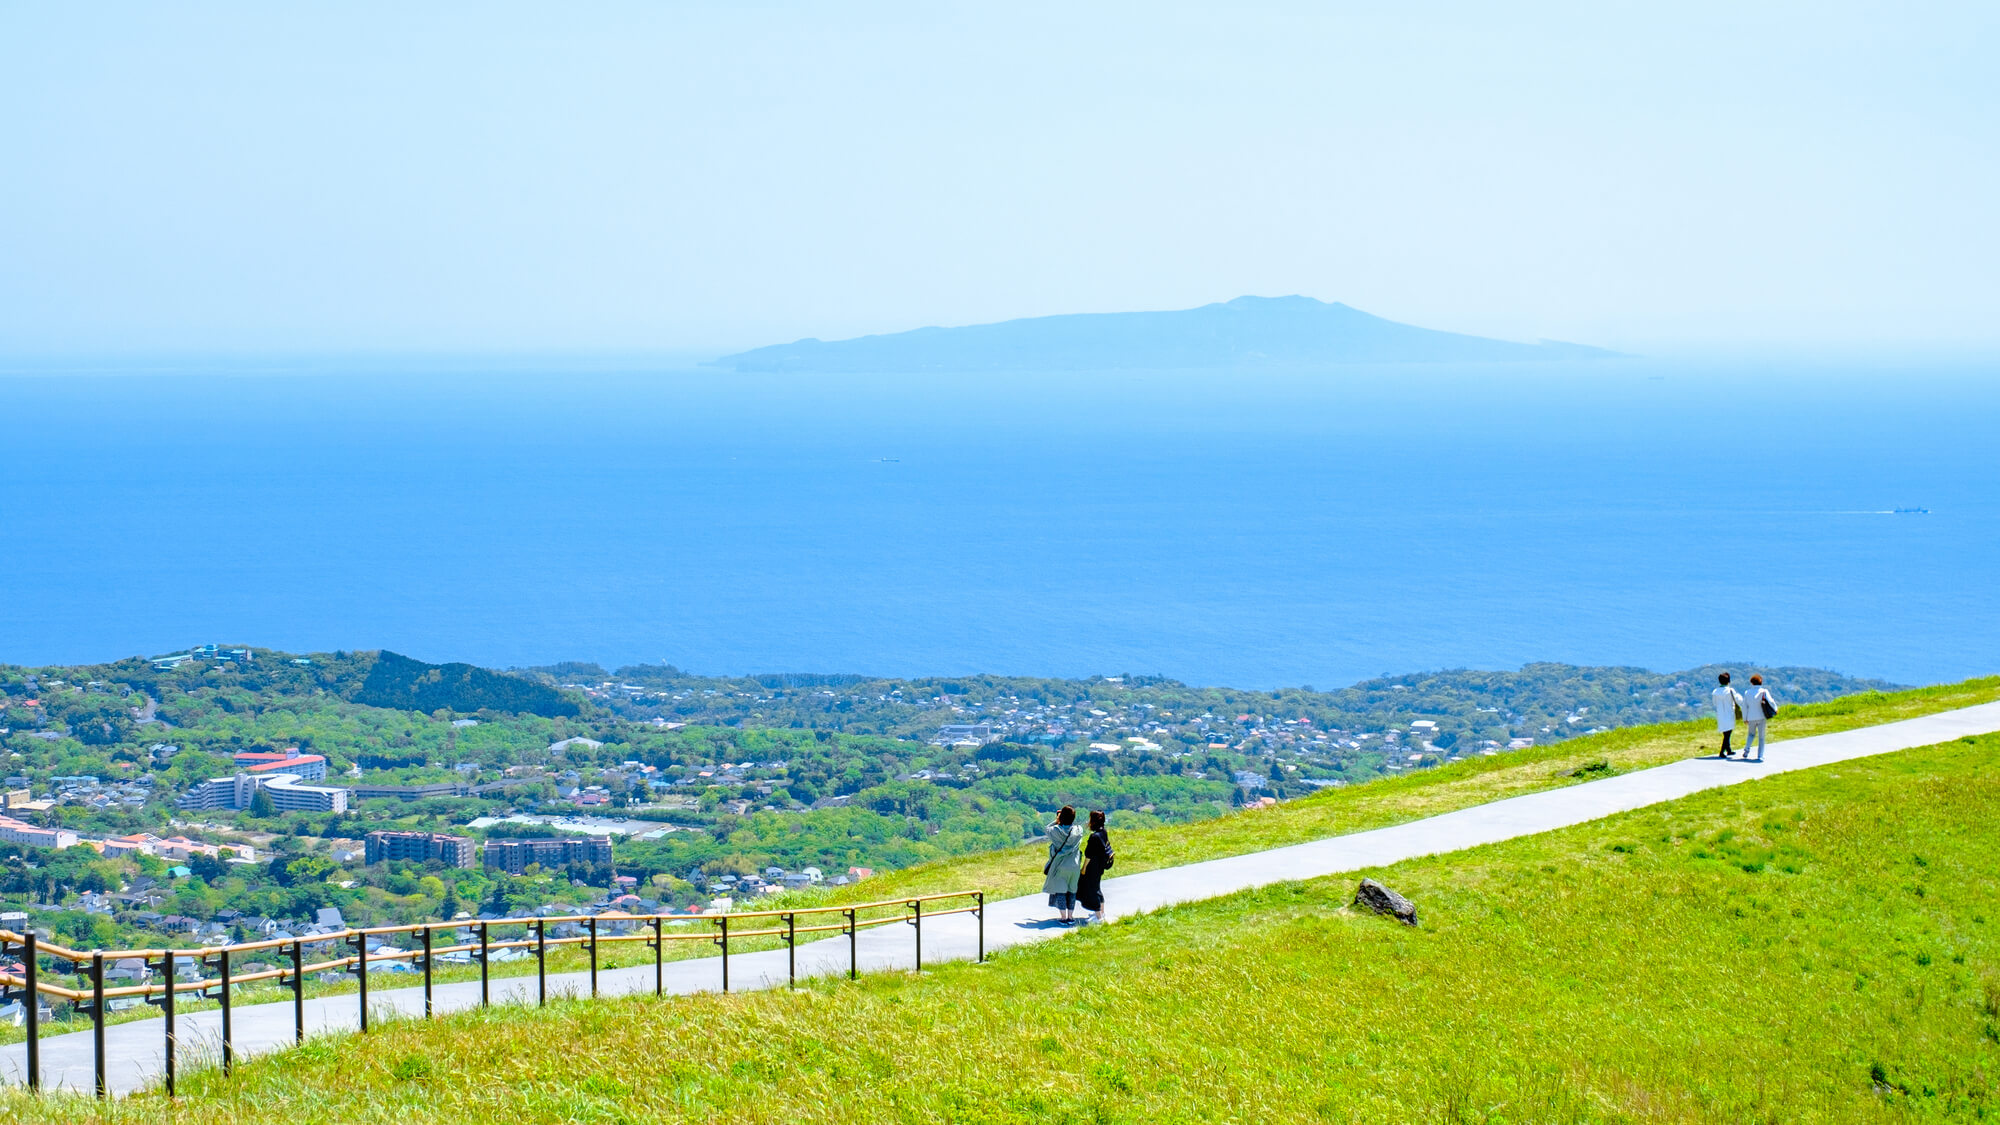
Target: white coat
column 1726, row 702
column 1753, row 708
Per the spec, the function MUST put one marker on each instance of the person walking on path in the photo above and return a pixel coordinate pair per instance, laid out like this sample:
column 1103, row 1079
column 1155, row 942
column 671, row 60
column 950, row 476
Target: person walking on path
column 1097, row 859
column 1728, row 708
column 1758, row 707
column 1065, row 865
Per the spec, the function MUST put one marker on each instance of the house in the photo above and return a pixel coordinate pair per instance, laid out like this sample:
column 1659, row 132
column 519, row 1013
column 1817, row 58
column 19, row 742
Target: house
column 330, row 916
column 129, row 970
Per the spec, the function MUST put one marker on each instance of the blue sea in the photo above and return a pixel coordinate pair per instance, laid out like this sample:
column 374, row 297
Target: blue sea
column 1249, row 529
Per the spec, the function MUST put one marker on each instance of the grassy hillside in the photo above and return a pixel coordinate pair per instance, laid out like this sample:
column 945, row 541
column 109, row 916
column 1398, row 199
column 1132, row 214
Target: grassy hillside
column 1819, row 946
column 1017, row 870
column 1394, row 800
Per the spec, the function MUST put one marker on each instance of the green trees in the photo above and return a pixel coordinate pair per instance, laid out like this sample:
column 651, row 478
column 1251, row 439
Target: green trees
column 399, row 682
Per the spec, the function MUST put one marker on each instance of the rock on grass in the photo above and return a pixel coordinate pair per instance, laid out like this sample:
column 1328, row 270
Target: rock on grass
column 1382, row 900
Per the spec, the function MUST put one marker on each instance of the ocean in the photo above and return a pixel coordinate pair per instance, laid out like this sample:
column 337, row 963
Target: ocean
column 1244, row 528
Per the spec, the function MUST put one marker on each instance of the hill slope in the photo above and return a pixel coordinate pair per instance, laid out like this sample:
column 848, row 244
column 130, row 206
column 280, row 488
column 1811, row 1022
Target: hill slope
column 1818, row 946
column 1248, row 331
column 397, row 681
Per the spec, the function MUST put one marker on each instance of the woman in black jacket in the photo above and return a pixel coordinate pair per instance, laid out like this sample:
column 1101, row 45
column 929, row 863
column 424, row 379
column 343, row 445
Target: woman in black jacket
column 1097, row 860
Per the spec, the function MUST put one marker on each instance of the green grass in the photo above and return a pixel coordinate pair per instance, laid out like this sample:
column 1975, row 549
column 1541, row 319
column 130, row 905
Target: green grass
column 1815, row 946
column 1377, row 804
column 1017, row 871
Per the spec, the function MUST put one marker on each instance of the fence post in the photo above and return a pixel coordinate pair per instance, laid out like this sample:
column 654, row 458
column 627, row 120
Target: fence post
column 791, row 951
column 918, row 922
column 360, row 942
column 228, row 1026
column 542, row 961
column 853, row 947
column 485, row 952
column 34, row 1013
column 979, row 912
column 659, row 959
column 427, row 972
column 167, row 1015
column 593, row 956
column 298, row 991
column 725, row 952
column 97, row 1020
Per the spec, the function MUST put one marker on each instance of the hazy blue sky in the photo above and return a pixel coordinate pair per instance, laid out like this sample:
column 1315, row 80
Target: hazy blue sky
column 611, row 176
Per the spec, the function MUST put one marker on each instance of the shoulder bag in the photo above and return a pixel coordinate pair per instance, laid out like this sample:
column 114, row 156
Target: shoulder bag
column 1058, row 850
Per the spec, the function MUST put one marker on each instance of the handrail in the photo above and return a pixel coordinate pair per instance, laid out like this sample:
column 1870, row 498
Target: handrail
column 649, row 928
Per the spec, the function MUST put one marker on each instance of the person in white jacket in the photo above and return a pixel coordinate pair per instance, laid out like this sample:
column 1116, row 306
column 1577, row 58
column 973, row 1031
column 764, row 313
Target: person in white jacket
column 1727, row 703
column 1754, row 717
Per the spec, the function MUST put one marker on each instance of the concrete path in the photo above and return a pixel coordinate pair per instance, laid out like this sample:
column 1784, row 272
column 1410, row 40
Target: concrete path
column 135, row 1052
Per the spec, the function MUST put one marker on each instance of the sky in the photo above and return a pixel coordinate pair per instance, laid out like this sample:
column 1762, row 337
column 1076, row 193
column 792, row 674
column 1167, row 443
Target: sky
column 491, row 177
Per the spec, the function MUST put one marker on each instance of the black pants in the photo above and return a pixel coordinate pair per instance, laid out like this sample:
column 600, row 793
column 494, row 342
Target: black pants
column 1725, row 740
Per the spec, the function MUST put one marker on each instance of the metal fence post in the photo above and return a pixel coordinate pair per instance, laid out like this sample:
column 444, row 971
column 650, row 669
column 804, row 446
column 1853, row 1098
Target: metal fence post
column 918, row 922
column 542, row 961
column 659, row 959
column 298, row 991
column 228, row 1026
column 167, row 1016
column 791, row 951
column 593, row 956
column 97, row 1020
column 34, row 1012
column 725, row 952
column 979, row 912
column 853, row 947
column 427, row 972
column 360, row 942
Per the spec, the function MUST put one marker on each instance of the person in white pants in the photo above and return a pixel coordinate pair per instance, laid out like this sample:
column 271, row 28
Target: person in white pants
column 1754, row 717
column 1727, row 703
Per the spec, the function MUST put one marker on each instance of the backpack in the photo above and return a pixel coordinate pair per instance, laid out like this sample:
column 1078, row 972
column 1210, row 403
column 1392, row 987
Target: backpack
column 1110, row 857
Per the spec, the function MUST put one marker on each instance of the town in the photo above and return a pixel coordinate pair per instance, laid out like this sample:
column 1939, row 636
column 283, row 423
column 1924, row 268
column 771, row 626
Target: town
column 227, row 792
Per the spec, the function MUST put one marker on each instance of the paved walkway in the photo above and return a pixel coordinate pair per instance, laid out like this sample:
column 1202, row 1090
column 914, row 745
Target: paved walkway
column 135, row 1053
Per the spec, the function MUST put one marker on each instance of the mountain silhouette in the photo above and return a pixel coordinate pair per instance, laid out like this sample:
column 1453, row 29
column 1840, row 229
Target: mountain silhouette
column 1245, row 332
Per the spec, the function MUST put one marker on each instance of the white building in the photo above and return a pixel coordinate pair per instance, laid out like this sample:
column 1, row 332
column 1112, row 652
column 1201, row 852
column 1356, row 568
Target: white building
column 21, row 832
column 286, row 790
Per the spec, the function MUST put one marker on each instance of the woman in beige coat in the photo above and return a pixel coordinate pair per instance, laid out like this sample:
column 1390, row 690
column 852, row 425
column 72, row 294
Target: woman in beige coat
column 1065, row 863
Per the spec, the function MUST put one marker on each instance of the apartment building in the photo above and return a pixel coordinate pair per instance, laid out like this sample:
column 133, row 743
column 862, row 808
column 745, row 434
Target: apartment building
column 514, row 856
column 420, row 847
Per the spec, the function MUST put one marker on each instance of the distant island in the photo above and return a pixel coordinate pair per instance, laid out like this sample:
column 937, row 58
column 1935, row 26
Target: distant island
column 1245, row 332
